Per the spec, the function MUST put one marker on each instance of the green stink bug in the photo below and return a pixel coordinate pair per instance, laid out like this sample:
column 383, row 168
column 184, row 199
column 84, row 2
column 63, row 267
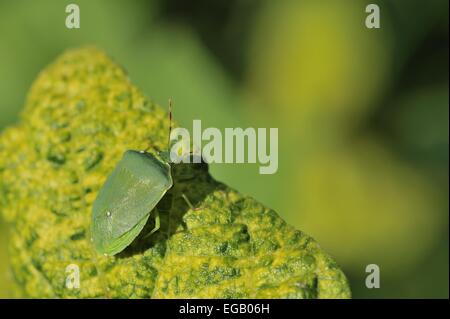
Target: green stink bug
column 131, row 192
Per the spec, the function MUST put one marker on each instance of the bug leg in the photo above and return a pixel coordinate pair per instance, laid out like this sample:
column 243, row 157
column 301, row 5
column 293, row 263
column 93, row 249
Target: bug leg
column 150, row 145
column 157, row 224
column 188, row 202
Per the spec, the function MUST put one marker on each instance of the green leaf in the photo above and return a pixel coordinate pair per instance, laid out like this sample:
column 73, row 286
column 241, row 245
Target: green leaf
column 83, row 108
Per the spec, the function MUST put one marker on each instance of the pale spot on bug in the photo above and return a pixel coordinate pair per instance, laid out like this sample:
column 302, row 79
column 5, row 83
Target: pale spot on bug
column 108, row 214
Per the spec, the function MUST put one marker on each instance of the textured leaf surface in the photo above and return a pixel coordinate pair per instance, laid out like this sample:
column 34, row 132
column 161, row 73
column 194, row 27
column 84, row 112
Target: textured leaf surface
column 81, row 114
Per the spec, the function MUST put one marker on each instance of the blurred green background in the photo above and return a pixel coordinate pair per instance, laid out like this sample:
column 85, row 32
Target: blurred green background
column 362, row 113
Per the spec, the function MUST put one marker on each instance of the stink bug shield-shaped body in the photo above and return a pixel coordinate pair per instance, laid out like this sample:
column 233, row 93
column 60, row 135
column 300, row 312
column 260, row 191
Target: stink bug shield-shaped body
column 127, row 198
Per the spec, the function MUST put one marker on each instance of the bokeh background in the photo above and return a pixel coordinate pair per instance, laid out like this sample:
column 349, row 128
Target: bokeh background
column 362, row 114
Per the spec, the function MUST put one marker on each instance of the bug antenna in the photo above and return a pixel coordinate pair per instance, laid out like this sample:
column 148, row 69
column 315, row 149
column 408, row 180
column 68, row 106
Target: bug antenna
column 170, row 122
